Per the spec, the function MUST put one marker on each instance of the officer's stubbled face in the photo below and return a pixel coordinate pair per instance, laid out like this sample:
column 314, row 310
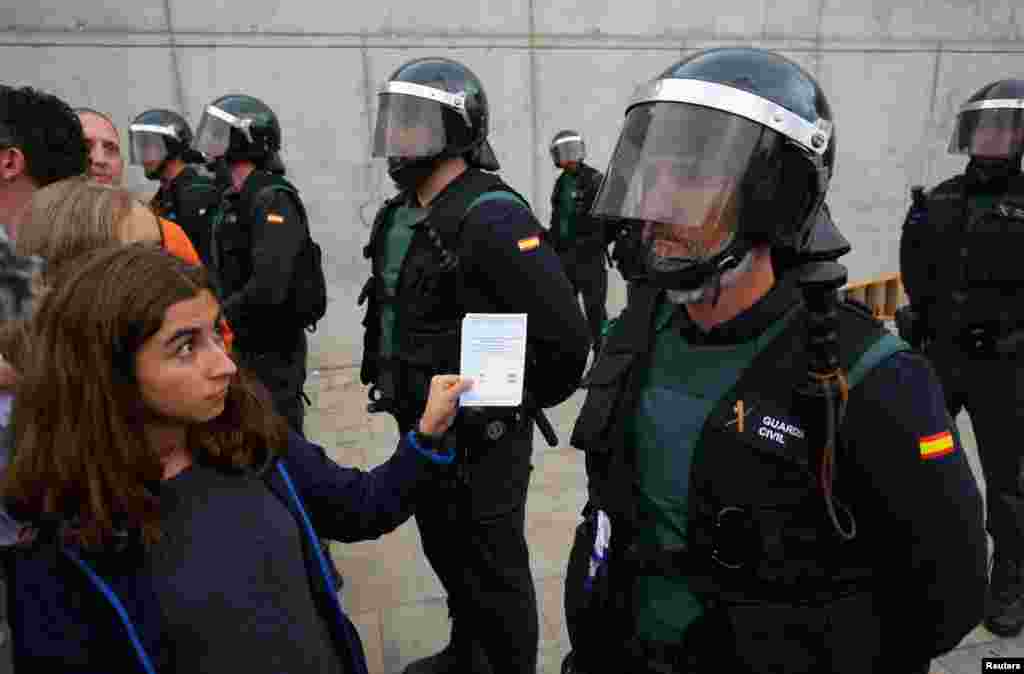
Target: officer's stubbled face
column 105, row 162
column 996, row 142
column 686, row 216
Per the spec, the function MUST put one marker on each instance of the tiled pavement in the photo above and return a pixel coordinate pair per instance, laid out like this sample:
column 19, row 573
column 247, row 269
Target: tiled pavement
column 394, row 597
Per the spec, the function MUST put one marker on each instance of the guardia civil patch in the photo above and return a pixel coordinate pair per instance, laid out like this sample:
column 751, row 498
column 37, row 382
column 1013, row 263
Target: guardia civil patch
column 936, row 446
column 275, row 219
column 528, row 244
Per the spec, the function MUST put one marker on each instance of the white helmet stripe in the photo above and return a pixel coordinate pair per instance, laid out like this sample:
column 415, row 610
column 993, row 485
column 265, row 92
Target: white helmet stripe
column 994, row 104
column 155, row 128
column 456, row 101
column 214, row 111
column 812, row 136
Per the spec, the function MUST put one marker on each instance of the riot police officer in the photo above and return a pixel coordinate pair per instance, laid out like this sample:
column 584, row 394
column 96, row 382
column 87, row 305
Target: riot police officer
column 751, row 439
column 257, row 242
column 580, row 241
column 960, row 262
column 161, row 142
column 455, row 240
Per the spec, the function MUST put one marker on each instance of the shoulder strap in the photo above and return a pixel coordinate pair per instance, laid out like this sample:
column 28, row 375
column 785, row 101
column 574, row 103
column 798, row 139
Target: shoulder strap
column 262, row 192
column 626, row 346
column 885, row 346
column 499, row 195
column 633, row 327
column 946, row 190
column 448, row 214
column 287, row 189
column 369, row 250
column 193, row 191
column 631, row 354
column 863, row 344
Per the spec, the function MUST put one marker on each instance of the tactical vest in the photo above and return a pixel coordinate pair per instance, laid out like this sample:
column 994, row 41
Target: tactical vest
column 232, row 233
column 977, row 270
column 759, row 535
column 430, row 299
column 231, row 250
column 588, row 234
column 190, row 201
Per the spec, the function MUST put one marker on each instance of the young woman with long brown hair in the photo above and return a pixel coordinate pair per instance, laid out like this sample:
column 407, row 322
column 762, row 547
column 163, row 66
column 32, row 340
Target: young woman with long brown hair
column 175, row 518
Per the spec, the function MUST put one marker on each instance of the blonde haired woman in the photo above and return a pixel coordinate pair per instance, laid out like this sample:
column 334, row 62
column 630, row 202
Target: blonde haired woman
column 74, row 216
column 77, row 215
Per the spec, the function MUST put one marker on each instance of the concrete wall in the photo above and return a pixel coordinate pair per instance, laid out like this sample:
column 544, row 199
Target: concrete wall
column 895, row 72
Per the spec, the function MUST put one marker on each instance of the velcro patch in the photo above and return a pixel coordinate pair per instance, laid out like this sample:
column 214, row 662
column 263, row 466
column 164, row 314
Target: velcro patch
column 529, row 243
column 275, row 218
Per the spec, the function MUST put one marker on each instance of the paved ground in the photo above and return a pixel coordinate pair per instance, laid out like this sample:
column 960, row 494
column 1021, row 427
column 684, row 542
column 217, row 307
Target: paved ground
column 394, row 597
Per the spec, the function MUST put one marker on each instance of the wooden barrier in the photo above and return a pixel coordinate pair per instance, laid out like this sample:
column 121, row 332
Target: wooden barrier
column 884, row 294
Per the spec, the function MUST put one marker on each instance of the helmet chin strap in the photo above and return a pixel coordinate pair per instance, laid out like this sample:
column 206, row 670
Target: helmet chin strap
column 983, row 171
column 158, row 172
column 222, row 172
column 711, row 288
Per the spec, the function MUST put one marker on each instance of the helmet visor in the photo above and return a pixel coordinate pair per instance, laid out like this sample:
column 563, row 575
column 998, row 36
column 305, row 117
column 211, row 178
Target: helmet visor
column 409, row 127
column 148, row 144
column 989, row 132
column 214, row 133
column 569, row 148
column 679, row 172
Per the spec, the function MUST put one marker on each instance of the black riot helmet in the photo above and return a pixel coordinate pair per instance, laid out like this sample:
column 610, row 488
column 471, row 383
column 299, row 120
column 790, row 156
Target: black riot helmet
column 432, row 109
column 567, row 146
column 990, row 128
column 727, row 149
column 237, row 127
column 156, row 137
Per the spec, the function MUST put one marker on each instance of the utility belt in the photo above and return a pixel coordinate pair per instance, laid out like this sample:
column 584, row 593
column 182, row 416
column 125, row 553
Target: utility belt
column 834, row 637
column 677, row 562
column 401, row 390
column 742, row 628
column 834, row 634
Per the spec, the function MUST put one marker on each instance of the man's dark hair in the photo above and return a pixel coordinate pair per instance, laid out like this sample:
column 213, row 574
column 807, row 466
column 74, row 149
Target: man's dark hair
column 46, row 130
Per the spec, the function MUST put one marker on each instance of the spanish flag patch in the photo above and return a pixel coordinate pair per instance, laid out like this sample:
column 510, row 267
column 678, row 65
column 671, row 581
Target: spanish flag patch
column 529, row 244
column 275, row 219
column 935, row 446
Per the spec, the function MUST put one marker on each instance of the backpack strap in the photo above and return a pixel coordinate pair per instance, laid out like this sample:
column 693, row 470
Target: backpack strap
column 471, row 189
column 887, row 345
column 369, row 250
column 264, row 194
column 499, row 195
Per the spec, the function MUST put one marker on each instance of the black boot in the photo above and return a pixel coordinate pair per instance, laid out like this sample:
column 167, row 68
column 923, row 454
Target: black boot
column 1004, row 615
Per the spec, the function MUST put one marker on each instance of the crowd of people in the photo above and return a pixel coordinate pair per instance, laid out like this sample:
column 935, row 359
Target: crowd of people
column 775, row 481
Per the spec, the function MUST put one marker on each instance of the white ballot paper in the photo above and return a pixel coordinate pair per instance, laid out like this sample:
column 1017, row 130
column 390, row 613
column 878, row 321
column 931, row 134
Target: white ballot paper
column 494, row 357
